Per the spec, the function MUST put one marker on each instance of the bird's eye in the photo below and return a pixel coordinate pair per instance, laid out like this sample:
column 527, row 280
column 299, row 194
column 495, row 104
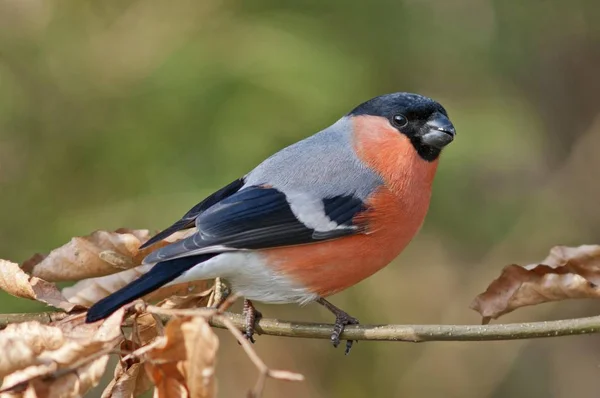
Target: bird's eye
column 399, row 120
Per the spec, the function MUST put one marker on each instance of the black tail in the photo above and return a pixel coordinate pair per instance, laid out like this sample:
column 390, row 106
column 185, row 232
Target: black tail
column 161, row 274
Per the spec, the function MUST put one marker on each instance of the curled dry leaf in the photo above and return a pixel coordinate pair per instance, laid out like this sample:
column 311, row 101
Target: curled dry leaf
column 190, row 301
column 98, row 254
column 145, row 329
column 568, row 272
column 130, row 379
column 129, row 382
column 22, row 342
column 182, row 362
column 71, row 383
column 60, row 366
column 195, row 288
column 15, row 281
column 89, row 291
column 201, row 345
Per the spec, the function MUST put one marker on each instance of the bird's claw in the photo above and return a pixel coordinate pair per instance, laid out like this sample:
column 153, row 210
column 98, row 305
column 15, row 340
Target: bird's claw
column 341, row 321
column 251, row 315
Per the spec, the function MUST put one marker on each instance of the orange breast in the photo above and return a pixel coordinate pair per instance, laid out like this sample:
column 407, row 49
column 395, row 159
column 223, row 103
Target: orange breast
column 396, row 213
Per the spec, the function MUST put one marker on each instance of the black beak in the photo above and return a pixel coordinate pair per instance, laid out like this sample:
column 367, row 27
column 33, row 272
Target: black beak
column 439, row 131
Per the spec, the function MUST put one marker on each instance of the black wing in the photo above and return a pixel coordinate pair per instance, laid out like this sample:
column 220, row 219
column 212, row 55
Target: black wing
column 258, row 218
column 188, row 220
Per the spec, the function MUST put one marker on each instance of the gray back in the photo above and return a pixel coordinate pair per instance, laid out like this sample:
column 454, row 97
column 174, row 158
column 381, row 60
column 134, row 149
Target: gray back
column 323, row 165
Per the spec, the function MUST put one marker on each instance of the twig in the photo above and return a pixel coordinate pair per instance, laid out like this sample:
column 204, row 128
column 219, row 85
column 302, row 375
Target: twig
column 41, row 317
column 422, row 333
column 410, row 333
column 263, row 369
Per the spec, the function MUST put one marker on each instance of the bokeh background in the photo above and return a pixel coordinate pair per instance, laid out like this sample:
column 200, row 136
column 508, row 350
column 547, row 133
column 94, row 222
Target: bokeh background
column 126, row 113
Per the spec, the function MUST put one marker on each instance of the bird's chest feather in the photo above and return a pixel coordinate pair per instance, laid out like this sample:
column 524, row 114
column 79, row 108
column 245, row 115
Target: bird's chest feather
column 396, row 212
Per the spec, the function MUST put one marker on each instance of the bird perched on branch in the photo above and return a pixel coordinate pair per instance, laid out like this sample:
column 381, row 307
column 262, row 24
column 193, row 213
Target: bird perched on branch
column 314, row 218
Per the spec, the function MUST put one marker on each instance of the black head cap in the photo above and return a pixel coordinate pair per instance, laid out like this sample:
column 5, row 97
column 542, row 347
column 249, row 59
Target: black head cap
column 424, row 121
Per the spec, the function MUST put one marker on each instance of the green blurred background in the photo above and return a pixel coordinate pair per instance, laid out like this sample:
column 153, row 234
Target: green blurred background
column 126, row 113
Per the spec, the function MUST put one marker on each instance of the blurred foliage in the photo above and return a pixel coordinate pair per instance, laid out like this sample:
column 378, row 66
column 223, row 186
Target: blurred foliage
column 126, row 113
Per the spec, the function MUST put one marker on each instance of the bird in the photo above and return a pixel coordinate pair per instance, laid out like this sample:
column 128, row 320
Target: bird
column 313, row 219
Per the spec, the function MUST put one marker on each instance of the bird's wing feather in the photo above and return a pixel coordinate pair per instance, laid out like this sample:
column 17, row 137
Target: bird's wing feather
column 188, row 220
column 261, row 217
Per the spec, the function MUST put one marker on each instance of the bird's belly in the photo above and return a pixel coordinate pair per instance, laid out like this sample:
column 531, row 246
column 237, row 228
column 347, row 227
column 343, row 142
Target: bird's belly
column 330, row 267
column 248, row 274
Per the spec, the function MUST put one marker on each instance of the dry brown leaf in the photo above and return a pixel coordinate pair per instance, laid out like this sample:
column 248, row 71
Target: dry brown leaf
column 15, row 281
column 168, row 381
column 74, row 328
column 129, row 379
column 89, row 291
column 64, row 368
column 180, row 289
column 201, row 345
column 98, row 254
column 70, row 385
column 129, row 382
column 23, row 342
column 145, row 329
column 568, row 272
column 182, row 362
column 190, row 301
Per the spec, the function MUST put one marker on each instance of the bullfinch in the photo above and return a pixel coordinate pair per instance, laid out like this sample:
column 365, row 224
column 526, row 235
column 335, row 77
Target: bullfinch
column 314, row 218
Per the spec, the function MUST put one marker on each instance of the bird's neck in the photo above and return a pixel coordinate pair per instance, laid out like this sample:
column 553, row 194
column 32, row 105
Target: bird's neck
column 394, row 158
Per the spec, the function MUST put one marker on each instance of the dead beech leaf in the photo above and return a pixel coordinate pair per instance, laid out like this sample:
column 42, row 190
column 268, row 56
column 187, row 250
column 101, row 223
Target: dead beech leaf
column 201, row 345
column 567, row 273
column 68, row 370
column 22, row 342
column 145, row 329
column 190, row 301
column 89, row 291
column 16, row 282
column 198, row 287
column 168, row 380
column 70, row 385
column 181, row 363
column 128, row 382
column 98, row 254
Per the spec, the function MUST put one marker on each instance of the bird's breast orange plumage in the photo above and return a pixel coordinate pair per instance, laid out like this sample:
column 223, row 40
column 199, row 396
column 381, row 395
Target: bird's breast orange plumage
column 396, row 213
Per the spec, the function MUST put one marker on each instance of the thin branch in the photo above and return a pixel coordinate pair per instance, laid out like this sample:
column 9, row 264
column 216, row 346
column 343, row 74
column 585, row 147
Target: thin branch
column 410, row 333
column 41, row 317
column 422, row 333
column 263, row 369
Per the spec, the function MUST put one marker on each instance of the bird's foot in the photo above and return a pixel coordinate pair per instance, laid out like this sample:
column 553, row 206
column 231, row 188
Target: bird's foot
column 220, row 293
column 251, row 315
column 342, row 319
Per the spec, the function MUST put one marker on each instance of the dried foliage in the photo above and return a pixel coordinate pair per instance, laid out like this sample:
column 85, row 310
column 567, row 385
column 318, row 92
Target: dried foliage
column 42, row 361
column 66, row 358
column 98, row 254
column 181, row 363
column 567, row 273
column 15, row 281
